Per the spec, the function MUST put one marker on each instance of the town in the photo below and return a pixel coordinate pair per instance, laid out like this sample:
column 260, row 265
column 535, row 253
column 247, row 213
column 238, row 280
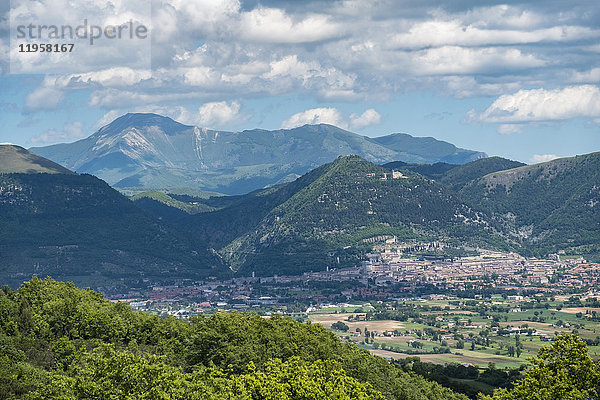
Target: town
column 389, row 273
column 479, row 308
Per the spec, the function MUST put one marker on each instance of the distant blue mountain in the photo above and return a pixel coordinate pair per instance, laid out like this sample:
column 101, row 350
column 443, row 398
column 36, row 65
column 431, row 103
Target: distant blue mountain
column 153, row 151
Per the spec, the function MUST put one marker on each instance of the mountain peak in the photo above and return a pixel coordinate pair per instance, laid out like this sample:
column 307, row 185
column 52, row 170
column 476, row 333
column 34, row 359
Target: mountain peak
column 17, row 160
column 143, row 120
column 152, row 151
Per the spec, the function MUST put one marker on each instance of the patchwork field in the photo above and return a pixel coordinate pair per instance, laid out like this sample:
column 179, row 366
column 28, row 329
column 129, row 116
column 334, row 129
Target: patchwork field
column 464, row 336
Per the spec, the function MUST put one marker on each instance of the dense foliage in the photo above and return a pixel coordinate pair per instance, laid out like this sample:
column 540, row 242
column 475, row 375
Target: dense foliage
column 324, row 223
column 466, row 379
column 190, row 207
column 74, row 226
column 61, row 342
column 563, row 370
column 550, row 206
column 457, row 177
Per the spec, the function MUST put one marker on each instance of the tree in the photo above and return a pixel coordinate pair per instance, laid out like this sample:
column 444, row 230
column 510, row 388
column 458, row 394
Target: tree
column 511, row 350
column 518, row 345
column 340, row 326
column 563, row 370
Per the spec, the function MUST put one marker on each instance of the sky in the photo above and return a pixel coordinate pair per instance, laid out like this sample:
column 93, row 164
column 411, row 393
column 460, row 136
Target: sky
column 517, row 79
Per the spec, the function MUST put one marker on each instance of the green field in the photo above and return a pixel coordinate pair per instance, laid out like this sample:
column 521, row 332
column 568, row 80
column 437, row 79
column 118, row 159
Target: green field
column 459, row 323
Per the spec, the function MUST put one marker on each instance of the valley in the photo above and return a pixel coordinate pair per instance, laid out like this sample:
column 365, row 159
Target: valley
column 453, row 273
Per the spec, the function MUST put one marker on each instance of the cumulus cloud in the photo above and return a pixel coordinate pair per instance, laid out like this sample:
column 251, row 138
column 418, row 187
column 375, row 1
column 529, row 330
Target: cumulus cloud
column 87, row 53
column 207, row 51
column 323, row 115
column 438, row 33
column 461, row 60
column 273, row 25
column 110, row 77
column 542, row 105
column 43, row 98
column 69, row 133
column 332, row 116
column 540, row 158
column 369, row 117
column 218, row 114
column 589, row 76
column 461, row 87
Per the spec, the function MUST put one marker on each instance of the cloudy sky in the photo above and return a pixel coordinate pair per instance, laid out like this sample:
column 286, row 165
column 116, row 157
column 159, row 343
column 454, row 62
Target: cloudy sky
column 519, row 79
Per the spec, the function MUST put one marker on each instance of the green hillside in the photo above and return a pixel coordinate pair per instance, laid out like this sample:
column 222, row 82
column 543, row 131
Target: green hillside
column 17, row 160
column 61, row 342
column 324, row 222
column 548, row 206
column 457, row 177
column 157, row 196
column 76, row 227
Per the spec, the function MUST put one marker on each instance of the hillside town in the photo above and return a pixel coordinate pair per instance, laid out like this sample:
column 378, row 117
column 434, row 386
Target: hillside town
column 384, row 275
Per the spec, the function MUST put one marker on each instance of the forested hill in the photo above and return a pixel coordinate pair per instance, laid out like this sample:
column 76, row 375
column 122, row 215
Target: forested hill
column 325, row 221
column 551, row 206
column 61, row 342
column 58, row 342
column 76, row 227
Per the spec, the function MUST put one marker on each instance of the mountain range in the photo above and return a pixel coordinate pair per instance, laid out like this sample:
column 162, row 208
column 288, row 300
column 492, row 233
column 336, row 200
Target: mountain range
column 76, row 227
column 152, row 151
column 329, row 216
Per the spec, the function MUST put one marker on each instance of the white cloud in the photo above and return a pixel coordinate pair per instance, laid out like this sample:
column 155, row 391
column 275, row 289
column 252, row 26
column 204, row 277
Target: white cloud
column 506, row 16
column 290, row 66
column 369, row 117
column 542, row 105
column 217, row 114
column 111, row 98
column 591, row 75
column 332, row 116
column 85, row 56
column 111, row 77
column 273, row 25
column 507, row 129
column 206, row 15
column 43, row 98
column 467, row 86
column 540, row 158
column 216, row 50
column 70, row 132
column 438, row 33
column 457, row 60
column 323, row 115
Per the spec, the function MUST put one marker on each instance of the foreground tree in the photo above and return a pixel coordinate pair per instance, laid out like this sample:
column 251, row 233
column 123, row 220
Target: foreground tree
column 108, row 374
column 563, row 371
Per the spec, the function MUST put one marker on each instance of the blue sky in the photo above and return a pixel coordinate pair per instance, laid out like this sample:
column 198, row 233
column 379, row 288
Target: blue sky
column 519, row 79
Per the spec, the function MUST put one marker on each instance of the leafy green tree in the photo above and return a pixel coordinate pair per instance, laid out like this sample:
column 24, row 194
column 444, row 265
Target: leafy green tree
column 108, row 374
column 340, row 326
column 563, row 370
column 61, row 342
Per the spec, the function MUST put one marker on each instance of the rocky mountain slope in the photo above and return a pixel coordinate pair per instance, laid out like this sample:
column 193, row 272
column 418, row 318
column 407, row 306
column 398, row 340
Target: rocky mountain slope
column 152, row 151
